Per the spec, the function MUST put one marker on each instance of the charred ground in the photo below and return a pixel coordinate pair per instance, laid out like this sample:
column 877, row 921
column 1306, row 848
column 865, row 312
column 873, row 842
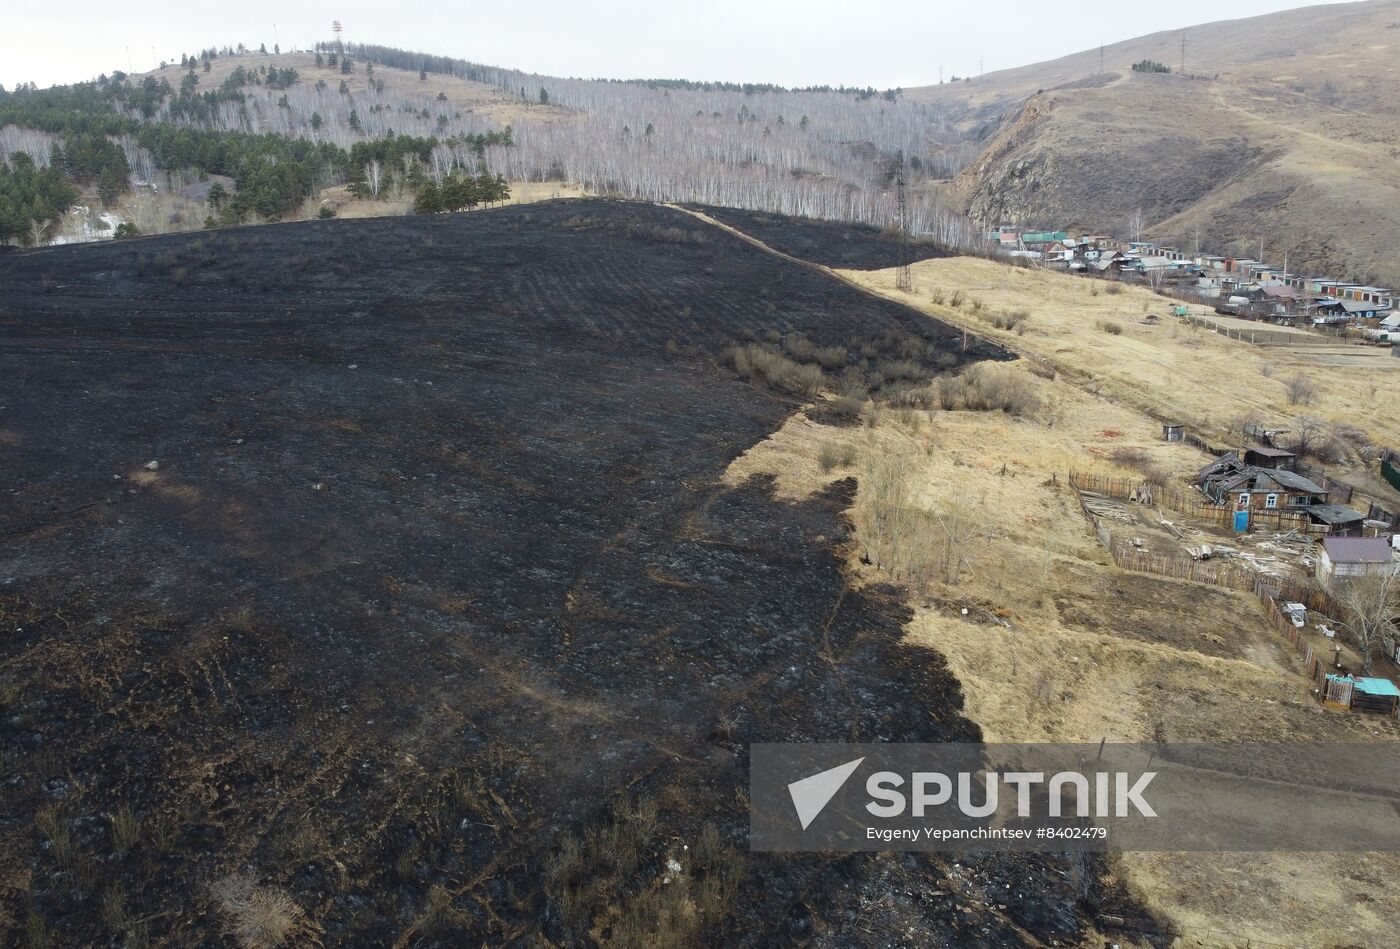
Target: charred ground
column 434, row 617
column 838, row 244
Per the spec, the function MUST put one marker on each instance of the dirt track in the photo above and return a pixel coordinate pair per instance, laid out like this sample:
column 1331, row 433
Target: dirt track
column 434, row 566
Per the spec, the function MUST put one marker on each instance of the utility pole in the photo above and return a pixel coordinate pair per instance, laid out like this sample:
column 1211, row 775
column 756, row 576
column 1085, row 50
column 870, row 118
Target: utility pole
column 1100, row 57
column 1182, row 70
column 904, row 279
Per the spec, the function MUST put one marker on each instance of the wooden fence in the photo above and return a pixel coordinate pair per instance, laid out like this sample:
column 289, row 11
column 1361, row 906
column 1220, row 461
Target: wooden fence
column 1129, row 557
column 1190, row 502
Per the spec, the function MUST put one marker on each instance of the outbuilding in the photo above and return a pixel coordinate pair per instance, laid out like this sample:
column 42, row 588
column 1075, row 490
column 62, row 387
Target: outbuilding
column 1343, row 559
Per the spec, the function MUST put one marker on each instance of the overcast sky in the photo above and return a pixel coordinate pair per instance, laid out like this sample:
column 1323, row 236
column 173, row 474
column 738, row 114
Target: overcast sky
column 789, row 42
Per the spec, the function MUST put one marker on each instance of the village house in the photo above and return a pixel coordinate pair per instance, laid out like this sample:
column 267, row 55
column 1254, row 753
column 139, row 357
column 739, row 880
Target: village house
column 1342, row 559
column 1245, row 487
column 1344, row 311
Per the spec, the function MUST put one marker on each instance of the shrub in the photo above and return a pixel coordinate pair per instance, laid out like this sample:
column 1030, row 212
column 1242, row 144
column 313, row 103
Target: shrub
column 759, row 364
column 1113, row 289
column 1011, row 320
column 958, row 298
column 847, row 407
column 258, row 917
column 1111, row 328
column 938, row 296
column 988, row 388
column 1300, row 391
column 836, row 456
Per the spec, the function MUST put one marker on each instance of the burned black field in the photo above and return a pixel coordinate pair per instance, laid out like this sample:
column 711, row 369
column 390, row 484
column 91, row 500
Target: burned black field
column 831, row 243
column 433, row 623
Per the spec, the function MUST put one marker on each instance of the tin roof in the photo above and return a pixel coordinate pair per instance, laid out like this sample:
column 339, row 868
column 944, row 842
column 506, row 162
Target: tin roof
column 1357, row 549
column 1335, row 514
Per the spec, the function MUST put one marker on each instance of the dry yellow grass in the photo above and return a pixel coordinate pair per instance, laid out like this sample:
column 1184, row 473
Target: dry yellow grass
column 1168, row 371
column 347, row 205
column 1093, row 652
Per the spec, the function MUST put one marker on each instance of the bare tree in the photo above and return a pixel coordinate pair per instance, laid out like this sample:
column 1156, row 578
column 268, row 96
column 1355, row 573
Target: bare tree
column 1136, row 224
column 1300, row 390
column 374, row 177
column 1371, row 604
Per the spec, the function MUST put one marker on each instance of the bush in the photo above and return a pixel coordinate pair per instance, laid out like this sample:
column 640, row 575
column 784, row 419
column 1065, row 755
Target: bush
column 126, row 229
column 958, row 298
column 988, row 388
column 1113, row 289
column 836, row 456
column 759, row 364
column 1300, row 391
column 1011, row 320
column 847, row 408
column 1111, row 328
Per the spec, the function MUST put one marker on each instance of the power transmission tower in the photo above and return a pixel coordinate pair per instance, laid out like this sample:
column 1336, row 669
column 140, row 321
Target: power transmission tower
column 904, row 279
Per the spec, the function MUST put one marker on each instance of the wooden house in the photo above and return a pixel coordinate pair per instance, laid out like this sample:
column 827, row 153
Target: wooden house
column 1341, row 559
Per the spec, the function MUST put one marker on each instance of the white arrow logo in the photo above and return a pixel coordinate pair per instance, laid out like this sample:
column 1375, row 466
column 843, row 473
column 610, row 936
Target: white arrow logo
column 812, row 794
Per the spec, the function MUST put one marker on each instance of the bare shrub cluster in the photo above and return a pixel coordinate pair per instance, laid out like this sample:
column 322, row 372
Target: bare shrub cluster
column 1300, row 390
column 258, row 917
column 915, row 545
column 1014, row 320
column 986, row 387
column 833, row 456
column 771, row 368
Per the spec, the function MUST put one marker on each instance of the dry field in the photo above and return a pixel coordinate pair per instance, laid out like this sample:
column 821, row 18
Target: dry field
column 1049, row 640
column 347, row 205
column 1170, row 371
column 1058, row 645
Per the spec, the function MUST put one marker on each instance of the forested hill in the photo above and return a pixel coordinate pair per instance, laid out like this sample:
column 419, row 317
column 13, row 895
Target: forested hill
column 284, row 126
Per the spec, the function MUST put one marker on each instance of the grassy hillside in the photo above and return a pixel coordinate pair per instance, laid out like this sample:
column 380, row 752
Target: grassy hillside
column 1283, row 127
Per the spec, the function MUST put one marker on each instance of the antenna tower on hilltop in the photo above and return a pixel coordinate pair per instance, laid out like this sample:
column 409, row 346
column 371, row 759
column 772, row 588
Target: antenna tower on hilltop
column 337, row 29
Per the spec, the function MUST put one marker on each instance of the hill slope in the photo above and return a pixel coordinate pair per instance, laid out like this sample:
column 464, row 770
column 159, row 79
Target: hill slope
column 1283, row 127
column 437, row 572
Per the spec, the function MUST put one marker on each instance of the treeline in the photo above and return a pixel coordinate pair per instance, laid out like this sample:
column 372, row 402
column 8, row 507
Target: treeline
column 757, row 88
column 1150, row 65
column 461, row 191
column 31, row 197
column 273, row 173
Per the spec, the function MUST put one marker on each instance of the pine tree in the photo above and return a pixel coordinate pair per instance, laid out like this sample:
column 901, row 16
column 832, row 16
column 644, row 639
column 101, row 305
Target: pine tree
column 544, row 96
column 423, row 74
column 354, row 121
column 346, row 66
column 217, row 195
column 317, row 121
column 429, row 200
column 320, row 60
